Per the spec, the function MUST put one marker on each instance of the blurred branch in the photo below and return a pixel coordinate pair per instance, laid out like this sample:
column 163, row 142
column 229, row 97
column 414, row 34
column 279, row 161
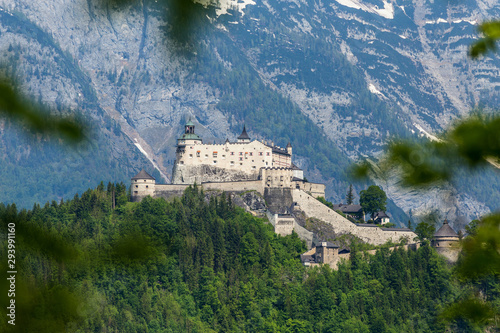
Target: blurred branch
column 480, row 252
column 180, row 15
column 472, row 142
column 17, row 108
column 491, row 33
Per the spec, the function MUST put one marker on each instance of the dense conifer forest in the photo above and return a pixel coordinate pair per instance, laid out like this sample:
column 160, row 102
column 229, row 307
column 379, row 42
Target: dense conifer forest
column 201, row 264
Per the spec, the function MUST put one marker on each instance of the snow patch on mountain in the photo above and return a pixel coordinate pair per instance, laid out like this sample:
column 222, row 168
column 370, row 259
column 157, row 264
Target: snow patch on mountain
column 426, row 134
column 386, row 12
column 374, row 90
column 224, row 5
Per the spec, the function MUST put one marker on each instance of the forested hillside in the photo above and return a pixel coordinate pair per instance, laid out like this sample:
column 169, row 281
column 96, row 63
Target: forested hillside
column 200, row 264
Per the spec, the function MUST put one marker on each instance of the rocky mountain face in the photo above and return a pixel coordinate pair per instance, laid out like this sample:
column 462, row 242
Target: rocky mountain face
column 336, row 78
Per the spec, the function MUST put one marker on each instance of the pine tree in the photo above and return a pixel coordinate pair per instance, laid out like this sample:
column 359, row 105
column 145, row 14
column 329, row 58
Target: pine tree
column 350, row 196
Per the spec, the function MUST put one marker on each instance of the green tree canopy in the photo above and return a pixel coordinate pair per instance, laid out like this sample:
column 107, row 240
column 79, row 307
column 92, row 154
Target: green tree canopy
column 373, row 200
column 425, row 230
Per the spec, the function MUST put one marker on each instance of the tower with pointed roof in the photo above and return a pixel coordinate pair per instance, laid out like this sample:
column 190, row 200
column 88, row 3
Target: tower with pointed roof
column 446, row 242
column 244, row 138
column 143, row 184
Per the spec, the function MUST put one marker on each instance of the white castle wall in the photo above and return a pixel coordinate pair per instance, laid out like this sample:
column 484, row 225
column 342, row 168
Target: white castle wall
column 370, row 234
column 246, row 157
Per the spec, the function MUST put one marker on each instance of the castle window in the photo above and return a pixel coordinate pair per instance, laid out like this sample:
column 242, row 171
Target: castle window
column 267, row 153
column 215, row 162
column 254, row 167
column 215, row 154
column 241, row 154
column 182, row 162
column 190, row 155
column 241, row 163
column 144, row 180
column 260, row 153
column 251, row 154
column 232, row 153
column 206, row 155
column 241, row 159
column 136, row 186
column 223, row 156
column 232, row 162
column 197, row 154
column 147, row 186
column 135, row 192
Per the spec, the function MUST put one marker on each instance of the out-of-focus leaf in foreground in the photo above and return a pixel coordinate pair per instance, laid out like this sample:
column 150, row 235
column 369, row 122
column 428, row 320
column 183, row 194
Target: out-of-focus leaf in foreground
column 38, row 120
column 480, row 252
column 180, row 15
column 133, row 247
column 471, row 142
column 491, row 34
column 471, row 309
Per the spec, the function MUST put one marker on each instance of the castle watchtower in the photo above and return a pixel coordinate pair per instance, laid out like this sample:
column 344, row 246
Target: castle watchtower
column 244, row 138
column 143, row 184
column 188, row 138
column 446, row 242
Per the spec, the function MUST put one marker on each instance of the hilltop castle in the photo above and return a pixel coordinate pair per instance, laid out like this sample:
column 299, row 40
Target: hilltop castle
column 233, row 166
column 264, row 170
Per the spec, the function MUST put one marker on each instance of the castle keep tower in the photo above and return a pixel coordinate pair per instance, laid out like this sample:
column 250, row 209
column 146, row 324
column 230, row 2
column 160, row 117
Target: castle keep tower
column 143, row 184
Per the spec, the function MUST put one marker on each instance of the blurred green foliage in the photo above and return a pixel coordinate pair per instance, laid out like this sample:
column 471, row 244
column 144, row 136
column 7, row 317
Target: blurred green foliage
column 472, row 142
column 491, row 34
column 36, row 119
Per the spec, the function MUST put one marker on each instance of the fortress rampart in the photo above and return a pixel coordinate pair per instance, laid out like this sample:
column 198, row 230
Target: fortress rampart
column 367, row 232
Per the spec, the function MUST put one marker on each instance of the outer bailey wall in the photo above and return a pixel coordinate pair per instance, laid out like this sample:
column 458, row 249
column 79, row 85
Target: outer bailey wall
column 168, row 190
column 373, row 235
column 242, row 186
